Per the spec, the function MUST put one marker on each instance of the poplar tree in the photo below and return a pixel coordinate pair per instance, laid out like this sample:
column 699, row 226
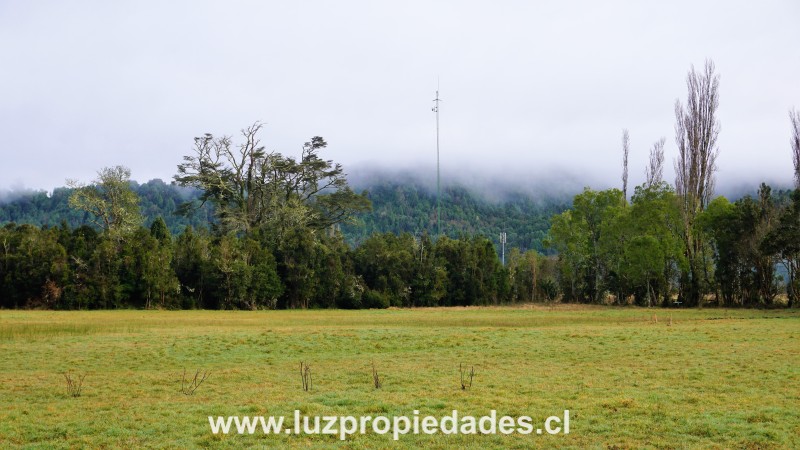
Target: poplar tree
column 696, row 132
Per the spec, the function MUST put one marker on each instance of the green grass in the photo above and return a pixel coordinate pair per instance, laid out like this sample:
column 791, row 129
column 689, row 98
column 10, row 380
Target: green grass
column 713, row 379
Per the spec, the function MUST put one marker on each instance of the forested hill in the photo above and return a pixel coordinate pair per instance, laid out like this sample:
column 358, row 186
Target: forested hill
column 408, row 207
column 397, row 207
column 156, row 199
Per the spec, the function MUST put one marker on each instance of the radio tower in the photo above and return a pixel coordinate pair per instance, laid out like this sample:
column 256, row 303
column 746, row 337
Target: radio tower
column 438, row 178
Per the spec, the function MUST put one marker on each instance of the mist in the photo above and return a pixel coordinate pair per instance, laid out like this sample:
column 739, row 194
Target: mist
column 533, row 93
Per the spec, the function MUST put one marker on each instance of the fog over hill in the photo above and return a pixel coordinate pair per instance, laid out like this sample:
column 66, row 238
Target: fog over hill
column 517, row 201
column 488, row 182
column 530, row 89
column 497, row 185
column 402, row 202
column 493, row 186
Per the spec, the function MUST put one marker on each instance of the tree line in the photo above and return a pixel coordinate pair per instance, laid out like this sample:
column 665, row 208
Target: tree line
column 275, row 242
column 274, row 238
column 678, row 244
column 398, row 206
column 406, row 207
column 156, row 199
column 81, row 268
column 613, row 250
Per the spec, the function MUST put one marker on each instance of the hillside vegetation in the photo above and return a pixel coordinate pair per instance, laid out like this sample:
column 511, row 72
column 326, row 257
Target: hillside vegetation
column 397, row 207
column 409, row 208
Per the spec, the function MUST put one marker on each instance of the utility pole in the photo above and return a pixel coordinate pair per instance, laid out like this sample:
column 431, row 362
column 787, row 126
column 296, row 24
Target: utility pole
column 438, row 175
column 421, row 246
column 503, row 246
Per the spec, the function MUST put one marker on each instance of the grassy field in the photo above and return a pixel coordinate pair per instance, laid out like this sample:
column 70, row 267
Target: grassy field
column 711, row 379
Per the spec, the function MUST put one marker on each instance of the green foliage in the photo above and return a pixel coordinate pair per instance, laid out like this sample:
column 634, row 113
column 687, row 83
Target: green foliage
column 243, row 275
column 783, row 241
column 585, row 238
column 296, row 254
column 652, row 253
column 607, row 246
column 192, row 263
column 532, row 277
column 746, row 249
column 386, row 263
column 159, row 230
column 375, row 299
column 397, row 208
column 33, row 267
column 407, row 207
column 410, row 271
column 156, row 199
column 473, row 272
column 606, row 249
column 252, row 189
column 110, row 201
column 610, row 249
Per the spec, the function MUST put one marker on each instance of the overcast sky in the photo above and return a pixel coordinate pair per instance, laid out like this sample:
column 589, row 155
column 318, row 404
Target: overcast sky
column 530, row 88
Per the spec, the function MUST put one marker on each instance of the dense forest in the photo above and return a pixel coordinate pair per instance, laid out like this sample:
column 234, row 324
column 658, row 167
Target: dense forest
column 381, row 257
column 156, row 199
column 610, row 248
column 274, row 241
column 407, row 207
column 397, row 207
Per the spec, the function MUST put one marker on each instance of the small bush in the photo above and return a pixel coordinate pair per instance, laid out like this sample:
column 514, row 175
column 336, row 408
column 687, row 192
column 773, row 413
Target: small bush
column 466, row 377
column 550, row 289
column 375, row 299
column 74, row 385
column 189, row 386
column 376, row 379
column 305, row 376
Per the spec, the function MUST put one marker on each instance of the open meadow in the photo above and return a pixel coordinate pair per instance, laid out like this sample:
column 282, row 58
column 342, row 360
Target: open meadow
column 711, row 378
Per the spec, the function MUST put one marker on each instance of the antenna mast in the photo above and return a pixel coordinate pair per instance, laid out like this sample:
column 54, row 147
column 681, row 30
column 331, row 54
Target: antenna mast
column 438, row 177
column 503, row 243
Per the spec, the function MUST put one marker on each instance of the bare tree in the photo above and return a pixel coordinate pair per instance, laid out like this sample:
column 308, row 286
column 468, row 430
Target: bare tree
column 794, row 116
column 696, row 132
column 626, row 143
column 252, row 188
column 654, row 173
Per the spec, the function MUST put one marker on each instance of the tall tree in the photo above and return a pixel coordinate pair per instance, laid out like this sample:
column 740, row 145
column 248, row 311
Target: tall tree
column 192, row 262
column 626, row 143
column 110, row 200
column 784, row 242
column 696, row 132
column 570, row 239
column 585, row 249
column 653, row 253
column 252, row 189
column 33, row 267
column 654, row 173
column 159, row 230
column 525, row 277
column 763, row 262
column 745, row 266
column 794, row 117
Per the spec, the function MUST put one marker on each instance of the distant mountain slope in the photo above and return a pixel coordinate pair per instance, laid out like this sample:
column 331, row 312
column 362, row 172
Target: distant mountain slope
column 408, row 207
column 156, row 199
column 397, row 207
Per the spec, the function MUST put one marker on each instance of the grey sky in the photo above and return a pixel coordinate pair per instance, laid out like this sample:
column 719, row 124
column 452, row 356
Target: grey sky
column 530, row 88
